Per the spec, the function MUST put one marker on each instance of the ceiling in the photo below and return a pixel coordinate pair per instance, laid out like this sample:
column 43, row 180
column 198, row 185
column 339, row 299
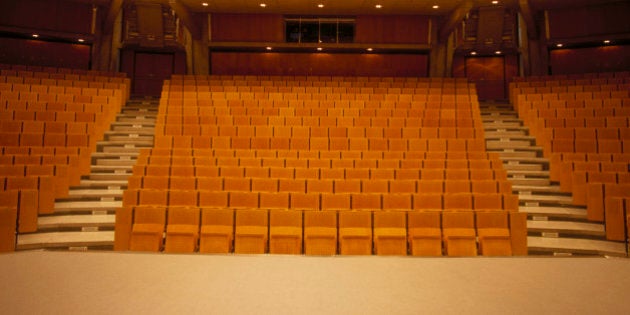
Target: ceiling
column 353, row 7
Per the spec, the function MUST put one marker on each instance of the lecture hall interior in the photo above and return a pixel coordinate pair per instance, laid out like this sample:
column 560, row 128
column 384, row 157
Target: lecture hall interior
column 314, row 156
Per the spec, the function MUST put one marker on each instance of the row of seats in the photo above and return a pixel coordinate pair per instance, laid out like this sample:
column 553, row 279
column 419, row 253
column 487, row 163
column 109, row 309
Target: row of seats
column 47, row 135
column 587, row 146
column 234, row 198
column 278, row 130
column 188, row 89
column 306, row 143
column 347, row 96
column 33, row 70
column 258, row 231
column 319, row 185
column 266, row 104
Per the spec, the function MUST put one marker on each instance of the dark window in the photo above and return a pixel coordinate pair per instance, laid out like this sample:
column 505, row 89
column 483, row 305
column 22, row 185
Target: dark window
column 319, row 30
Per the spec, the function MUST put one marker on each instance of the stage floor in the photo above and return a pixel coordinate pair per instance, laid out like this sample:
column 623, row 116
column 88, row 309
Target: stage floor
column 132, row 283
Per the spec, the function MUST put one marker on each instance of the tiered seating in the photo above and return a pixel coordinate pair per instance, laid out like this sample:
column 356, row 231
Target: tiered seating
column 583, row 125
column 50, row 121
column 320, row 166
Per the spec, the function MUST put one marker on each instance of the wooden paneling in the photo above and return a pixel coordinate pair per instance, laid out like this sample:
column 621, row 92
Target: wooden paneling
column 491, row 74
column 43, row 53
column 51, row 15
column 148, row 70
column 591, row 59
column 247, row 28
column 392, row 29
column 588, row 21
column 319, row 64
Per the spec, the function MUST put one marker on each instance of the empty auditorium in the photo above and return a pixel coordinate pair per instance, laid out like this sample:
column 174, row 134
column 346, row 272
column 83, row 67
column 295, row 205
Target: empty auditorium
column 314, row 156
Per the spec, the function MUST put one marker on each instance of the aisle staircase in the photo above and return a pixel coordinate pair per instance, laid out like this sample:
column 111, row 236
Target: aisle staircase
column 555, row 226
column 85, row 219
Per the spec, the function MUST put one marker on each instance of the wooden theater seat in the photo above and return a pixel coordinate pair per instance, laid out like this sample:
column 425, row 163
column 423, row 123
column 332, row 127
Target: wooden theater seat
column 425, row 233
column 320, row 233
column 390, row 233
column 355, row 232
column 251, row 232
column 182, row 230
column 148, row 228
column 285, row 232
column 217, row 231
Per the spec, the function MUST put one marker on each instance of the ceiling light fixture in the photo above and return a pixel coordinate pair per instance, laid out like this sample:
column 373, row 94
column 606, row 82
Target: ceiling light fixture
column 263, row 5
column 495, row 2
column 436, row 6
column 378, row 6
column 35, row 35
column 205, row 4
column 320, row 49
column 559, row 45
column 369, row 49
column 269, row 48
column 80, row 40
column 473, row 53
column 607, row 41
column 321, row 5
column 498, row 52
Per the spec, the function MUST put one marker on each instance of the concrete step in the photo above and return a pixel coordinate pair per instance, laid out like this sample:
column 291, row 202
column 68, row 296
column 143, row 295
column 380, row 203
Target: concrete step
column 124, row 149
column 129, row 138
column 565, row 228
column 524, row 167
column 523, row 181
column 572, row 213
column 519, row 155
column 78, row 194
column 509, row 144
column 87, row 207
column 117, row 169
column 114, row 162
column 528, row 173
column 537, row 244
column 552, row 189
column 101, row 184
column 76, row 222
column 65, row 240
column 109, row 176
column 549, row 200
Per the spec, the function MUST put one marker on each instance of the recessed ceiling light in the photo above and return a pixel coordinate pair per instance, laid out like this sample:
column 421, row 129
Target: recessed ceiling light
column 321, row 5
column 80, row 40
column 35, row 35
column 607, row 41
column 263, row 5
column 498, row 52
column 320, row 49
column 473, row 53
column 378, row 6
column 495, row 2
column 436, row 6
column 559, row 45
column 269, row 48
column 369, row 49
column 205, row 4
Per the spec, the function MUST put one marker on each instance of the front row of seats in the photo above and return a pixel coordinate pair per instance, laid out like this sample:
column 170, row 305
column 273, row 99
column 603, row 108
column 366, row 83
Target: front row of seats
column 256, row 231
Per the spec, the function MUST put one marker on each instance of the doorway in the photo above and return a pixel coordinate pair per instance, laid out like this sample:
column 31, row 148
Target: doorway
column 488, row 73
column 149, row 72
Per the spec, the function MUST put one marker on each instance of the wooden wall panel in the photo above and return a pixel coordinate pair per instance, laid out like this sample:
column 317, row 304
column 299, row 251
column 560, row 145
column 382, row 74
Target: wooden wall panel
column 247, row 28
column 588, row 21
column 319, row 64
column 591, row 59
column 43, row 53
column 50, row 15
column 390, row 29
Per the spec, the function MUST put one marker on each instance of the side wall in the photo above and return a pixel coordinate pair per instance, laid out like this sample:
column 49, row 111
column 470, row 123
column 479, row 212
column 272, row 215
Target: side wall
column 59, row 25
column 582, row 31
